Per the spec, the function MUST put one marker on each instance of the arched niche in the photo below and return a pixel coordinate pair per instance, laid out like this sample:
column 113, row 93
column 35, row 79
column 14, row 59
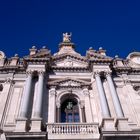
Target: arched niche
column 69, row 107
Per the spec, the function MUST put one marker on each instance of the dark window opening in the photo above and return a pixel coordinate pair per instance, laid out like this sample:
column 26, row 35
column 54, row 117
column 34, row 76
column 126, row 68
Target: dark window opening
column 69, row 111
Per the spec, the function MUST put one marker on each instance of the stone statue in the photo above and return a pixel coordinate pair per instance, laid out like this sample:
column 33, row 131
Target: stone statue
column 67, row 37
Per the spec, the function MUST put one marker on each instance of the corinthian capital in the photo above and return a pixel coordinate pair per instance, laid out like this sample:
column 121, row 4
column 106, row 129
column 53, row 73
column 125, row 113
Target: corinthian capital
column 29, row 72
column 52, row 91
column 96, row 73
column 41, row 72
column 107, row 73
column 86, row 92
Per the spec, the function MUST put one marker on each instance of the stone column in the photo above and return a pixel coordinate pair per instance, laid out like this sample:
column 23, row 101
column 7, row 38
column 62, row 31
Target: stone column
column 5, row 94
column 26, row 96
column 22, row 120
column 87, row 106
column 52, row 106
column 37, row 118
column 58, row 112
column 103, row 101
column 82, row 112
column 114, row 95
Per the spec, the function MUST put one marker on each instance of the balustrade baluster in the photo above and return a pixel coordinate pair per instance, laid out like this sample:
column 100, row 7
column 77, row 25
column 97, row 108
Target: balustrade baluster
column 56, row 129
column 67, row 129
column 70, row 129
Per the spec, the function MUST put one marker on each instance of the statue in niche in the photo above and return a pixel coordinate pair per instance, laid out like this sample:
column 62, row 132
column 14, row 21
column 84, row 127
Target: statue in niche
column 67, row 37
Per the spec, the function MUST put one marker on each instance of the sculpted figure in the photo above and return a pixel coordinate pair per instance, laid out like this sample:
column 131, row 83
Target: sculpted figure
column 67, row 37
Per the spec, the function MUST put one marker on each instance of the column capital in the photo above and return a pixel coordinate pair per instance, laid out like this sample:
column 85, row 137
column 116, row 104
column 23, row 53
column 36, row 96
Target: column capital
column 107, row 73
column 29, row 73
column 86, row 92
column 96, row 73
column 41, row 72
column 52, row 91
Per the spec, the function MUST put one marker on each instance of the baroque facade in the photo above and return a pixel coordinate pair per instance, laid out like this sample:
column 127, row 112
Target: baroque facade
column 69, row 96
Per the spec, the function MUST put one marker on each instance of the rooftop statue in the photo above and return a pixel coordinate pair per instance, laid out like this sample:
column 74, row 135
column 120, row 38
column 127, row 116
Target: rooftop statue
column 67, row 37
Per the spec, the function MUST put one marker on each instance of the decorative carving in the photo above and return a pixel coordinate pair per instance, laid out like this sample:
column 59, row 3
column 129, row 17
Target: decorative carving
column 9, row 80
column 126, row 79
column 52, row 91
column 69, row 83
column 82, row 104
column 41, row 72
column 137, row 88
column 67, row 37
column 2, row 55
column 58, row 104
column 96, row 73
column 85, row 91
column 68, row 63
column 29, row 73
column 107, row 73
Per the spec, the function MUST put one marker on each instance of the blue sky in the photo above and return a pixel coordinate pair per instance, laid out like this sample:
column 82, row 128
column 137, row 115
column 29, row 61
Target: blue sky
column 111, row 24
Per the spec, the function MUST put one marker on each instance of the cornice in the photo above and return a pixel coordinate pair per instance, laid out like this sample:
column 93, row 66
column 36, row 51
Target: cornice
column 78, row 69
column 36, row 59
column 100, row 61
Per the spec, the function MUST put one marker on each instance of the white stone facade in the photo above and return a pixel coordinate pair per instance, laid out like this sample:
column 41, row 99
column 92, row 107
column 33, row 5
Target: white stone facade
column 69, row 96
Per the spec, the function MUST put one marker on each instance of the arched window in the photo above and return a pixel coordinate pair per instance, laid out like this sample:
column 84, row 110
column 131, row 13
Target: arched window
column 70, row 111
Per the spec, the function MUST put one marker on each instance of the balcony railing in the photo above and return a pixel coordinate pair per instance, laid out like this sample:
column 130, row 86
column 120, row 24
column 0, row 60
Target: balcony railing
column 72, row 130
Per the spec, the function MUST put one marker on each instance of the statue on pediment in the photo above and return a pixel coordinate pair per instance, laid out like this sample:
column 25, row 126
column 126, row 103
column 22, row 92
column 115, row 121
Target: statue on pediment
column 67, row 37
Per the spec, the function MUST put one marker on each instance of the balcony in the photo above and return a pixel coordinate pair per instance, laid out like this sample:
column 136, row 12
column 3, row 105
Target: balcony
column 73, row 131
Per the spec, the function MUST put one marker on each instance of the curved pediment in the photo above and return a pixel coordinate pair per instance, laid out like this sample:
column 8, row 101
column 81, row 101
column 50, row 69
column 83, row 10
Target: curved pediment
column 69, row 82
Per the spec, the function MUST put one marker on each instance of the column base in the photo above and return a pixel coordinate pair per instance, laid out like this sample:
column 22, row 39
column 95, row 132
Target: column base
column 36, row 124
column 108, row 124
column 122, row 124
column 22, row 125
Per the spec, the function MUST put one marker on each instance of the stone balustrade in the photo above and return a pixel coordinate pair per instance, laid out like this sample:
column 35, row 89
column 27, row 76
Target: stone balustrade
column 72, row 128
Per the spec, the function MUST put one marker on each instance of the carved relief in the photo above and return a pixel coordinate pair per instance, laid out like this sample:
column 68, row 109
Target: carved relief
column 134, row 59
column 69, row 83
column 2, row 55
column 52, row 91
column 137, row 88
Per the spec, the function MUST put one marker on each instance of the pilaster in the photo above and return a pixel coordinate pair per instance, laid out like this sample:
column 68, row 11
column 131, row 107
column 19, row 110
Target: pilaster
column 52, row 105
column 22, row 122
column 88, row 112
column 103, row 101
column 114, row 95
column 36, row 120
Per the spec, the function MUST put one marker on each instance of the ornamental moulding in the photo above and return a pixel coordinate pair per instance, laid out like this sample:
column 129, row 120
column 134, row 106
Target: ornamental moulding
column 69, row 83
column 69, row 68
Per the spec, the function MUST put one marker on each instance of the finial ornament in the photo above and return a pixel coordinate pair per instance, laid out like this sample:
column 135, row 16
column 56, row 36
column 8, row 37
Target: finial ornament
column 67, row 37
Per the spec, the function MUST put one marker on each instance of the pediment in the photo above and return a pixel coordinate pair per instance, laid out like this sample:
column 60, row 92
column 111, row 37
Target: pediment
column 69, row 60
column 69, row 82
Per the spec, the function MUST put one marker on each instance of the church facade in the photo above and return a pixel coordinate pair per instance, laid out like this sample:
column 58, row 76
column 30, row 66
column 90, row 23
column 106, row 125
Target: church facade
column 67, row 96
